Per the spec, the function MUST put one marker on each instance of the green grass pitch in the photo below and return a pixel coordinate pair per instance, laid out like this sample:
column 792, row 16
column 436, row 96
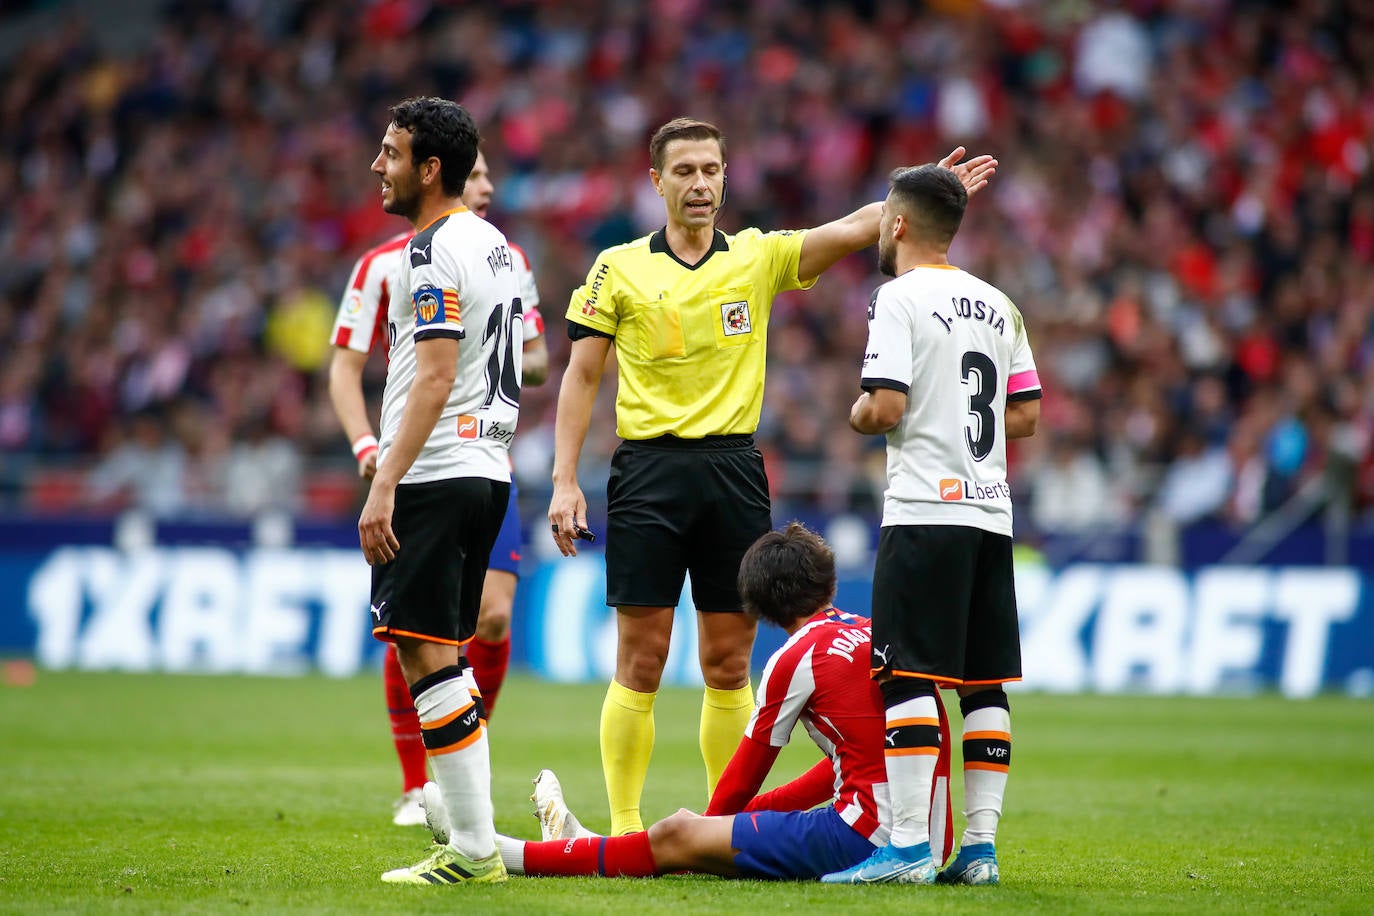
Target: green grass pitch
column 143, row 794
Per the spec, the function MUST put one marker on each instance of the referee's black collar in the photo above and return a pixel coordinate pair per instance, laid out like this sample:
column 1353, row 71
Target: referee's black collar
column 658, row 244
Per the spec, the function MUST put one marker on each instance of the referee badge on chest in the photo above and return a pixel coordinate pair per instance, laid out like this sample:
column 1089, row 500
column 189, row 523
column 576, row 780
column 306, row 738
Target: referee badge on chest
column 734, row 318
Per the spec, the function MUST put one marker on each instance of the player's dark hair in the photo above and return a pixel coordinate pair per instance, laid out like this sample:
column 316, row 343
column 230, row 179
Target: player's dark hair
column 441, row 129
column 932, row 198
column 682, row 129
column 787, row 574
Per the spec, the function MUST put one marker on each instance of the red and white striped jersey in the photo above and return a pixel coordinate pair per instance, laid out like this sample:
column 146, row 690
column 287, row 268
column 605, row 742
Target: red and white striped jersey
column 529, row 294
column 820, row 676
column 361, row 321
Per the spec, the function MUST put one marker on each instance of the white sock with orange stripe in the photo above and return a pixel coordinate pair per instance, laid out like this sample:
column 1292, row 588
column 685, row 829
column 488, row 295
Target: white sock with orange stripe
column 987, row 758
column 459, row 756
column 911, row 752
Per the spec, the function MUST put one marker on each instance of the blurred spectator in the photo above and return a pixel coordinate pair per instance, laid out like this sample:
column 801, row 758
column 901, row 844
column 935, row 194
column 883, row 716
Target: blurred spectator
column 144, row 469
column 1113, row 54
column 1071, row 492
column 262, row 472
column 1198, row 482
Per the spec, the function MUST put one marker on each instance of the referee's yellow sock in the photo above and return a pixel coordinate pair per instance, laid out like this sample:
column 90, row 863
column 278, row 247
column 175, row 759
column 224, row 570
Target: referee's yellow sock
column 627, row 742
column 724, row 714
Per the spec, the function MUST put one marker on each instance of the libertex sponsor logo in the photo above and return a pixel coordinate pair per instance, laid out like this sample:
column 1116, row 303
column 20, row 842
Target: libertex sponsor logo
column 952, row 489
column 470, row 427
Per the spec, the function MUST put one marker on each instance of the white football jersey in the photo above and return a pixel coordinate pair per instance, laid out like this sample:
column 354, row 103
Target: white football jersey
column 458, row 279
column 957, row 347
column 361, row 320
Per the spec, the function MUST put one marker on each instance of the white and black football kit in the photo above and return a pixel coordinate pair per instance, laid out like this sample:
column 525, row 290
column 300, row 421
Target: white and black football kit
column 457, row 279
column 360, row 325
column 944, row 602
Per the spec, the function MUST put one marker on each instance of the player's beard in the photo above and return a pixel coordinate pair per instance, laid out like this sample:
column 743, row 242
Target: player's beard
column 887, row 257
column 403, row 204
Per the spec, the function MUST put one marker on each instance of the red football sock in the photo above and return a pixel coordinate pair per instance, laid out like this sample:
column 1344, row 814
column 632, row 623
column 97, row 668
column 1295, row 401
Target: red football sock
column 489, row 661
column 626, row 856
column 405, row 724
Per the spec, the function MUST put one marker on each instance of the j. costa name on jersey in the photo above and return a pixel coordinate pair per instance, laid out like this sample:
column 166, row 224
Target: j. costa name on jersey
column 976, row 310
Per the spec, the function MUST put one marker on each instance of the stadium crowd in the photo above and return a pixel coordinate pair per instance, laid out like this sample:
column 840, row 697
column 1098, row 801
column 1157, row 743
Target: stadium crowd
column 1184, row 213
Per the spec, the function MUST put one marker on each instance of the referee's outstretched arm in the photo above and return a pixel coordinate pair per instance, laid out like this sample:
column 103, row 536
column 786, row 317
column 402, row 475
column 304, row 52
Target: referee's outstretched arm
column 826, row 244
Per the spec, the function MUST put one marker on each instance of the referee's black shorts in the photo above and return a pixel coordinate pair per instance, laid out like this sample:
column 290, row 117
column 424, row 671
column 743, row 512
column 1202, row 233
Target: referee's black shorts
column 683, row 506
column 432, row 590
column 944, row 605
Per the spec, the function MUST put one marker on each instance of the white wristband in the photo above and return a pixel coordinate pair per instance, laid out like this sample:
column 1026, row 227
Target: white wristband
column 364, row 444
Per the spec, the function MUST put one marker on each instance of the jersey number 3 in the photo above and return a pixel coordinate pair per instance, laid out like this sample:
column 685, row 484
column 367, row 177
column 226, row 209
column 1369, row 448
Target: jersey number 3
column 503, row 379
column 980, row 378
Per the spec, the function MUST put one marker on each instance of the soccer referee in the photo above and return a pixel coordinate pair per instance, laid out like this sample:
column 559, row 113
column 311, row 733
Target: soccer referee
column 687, row 310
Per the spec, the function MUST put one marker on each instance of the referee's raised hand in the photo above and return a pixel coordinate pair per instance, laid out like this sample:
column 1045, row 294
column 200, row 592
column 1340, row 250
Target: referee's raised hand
column 567, row 514
column 973, row 174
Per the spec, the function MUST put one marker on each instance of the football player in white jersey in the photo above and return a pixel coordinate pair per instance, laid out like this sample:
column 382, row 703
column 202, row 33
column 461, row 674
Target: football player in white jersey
column 948, row 376
column 359, row 328
column 443, row 470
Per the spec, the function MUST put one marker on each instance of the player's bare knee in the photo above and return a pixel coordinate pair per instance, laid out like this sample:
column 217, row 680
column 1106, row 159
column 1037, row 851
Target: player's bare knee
column 418, row 657
column 646, row 651
column 671, row 828
column 641, row 671
column 671, row 838
column 726, row 644
column 408, row 651
column 493, row 622
column 725, row 662
column 643, row 639
column 729, row 673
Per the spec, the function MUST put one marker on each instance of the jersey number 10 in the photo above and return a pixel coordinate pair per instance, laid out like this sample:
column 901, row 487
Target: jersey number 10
column 503, row 379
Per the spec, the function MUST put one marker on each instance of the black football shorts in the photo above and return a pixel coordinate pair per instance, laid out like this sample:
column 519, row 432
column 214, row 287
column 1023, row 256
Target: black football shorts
column 432, row 590
column 679, row 507
column 944, row 605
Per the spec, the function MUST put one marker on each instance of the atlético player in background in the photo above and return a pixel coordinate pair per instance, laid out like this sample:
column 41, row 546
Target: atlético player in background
column 820, row 678
column 359, row 328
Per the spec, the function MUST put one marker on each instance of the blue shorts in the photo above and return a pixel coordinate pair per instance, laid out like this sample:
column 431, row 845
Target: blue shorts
column 796, row 844
column 505, row 553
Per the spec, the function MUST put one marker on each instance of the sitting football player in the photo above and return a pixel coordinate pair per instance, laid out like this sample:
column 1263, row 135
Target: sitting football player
column 820, row 677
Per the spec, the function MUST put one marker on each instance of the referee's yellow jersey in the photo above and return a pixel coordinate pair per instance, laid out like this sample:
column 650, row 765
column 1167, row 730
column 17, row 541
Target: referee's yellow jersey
column 690, row 341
